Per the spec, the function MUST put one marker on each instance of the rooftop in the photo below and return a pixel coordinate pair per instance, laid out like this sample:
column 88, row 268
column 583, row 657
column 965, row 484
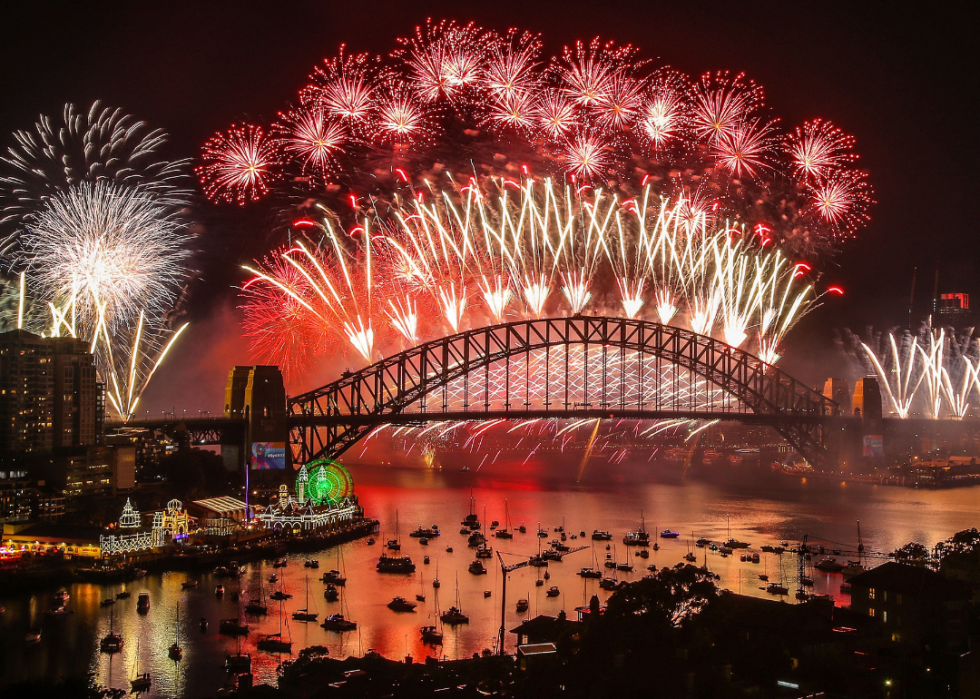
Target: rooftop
column 912, row 581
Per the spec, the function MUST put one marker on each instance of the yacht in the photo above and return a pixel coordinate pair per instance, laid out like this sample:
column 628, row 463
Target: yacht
column 431, row 635
column 477, row 568
column 143, row 603
column 522, row 606
column 331, row 594
column 601, row 535
column 111, row 642
column 553, row 591
column 175, row 651
column 188, row 585
column 232, row 627
column 400, row 604
column 667, row 534
column 454, row 616
column 337, row 622
column 305, row 614
column 395, row 564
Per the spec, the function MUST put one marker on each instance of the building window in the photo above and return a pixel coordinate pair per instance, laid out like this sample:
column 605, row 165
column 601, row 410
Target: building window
column 898, row 598
column 871, row 612
column 884, row 617
column 884, row 596
column 871, row 594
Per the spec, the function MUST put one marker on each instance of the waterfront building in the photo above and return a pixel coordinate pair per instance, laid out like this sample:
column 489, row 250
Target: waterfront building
column 287, row 512
column 50, row 396
column 220, row 516
column 917, row 606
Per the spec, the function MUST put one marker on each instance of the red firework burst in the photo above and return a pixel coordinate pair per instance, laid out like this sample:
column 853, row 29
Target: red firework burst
column 312, row 138
column 586, row 155
column 842, row 200
column 818, row 148
column 723, row 102
column 586, row 71
column 238, row 164
column 511, row 64
column 443, row 59
column 746, row 148
column 344, row 87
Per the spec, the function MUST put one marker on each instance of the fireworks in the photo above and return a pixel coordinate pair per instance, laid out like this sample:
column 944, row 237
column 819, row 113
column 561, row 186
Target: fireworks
column 101, row 144
column 483, row 255
column 596, row 114
column 100, row 239
column 238, row 165
column 932, row 373
column 106, row 252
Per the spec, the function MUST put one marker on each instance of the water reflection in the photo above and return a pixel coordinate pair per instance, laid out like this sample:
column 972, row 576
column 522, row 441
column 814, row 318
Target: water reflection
column 760, row 513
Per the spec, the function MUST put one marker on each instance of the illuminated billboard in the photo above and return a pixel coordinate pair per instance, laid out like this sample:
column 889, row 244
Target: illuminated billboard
column 268, row 455
column 873, row 445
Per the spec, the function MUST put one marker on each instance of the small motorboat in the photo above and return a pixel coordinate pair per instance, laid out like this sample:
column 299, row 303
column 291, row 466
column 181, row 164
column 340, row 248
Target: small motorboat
column 755, row 558
column 547, row 575
column 610, row 584
column 61, row 597
column 311, row 563
column 393, row 545
column 143, row 603
column 776, row 589
column 125, row 594
column 522, row 529
column 273, row 578
column 539, row 582
column 139, row 573
column 238, row 664
column 204, row 624
column 333, row 577
column 690, row 557
column 431, row 635
column 400, row 604
column 233, row 627
column 477, row 568
column 274, row 643
column 486, row 594
column 598, row 535
column 33, row 636
column 57, row 612
column 279, row 563
column 111, row 643
column 219, row 590
column 522, row 606
column 454, row 616
column 188, row 585
column 553, row 591
column 279, row 595
column 424, row 541
column 337, row 622
column 220, row 572
column 829, row 565
column 590, row 573
column 449, row 549
column 425, row 560
column 667, row 534
column 256, row 607
column 643, row 553
column 435, row 583
column 371, row 541
column 331, row 594
column 108, row 601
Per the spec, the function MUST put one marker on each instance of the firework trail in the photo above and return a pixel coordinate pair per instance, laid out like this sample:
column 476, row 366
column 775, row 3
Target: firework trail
column 933, row 372
column 484, row 256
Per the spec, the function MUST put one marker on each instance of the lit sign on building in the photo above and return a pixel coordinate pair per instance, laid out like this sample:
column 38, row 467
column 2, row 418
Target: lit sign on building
column 268, row 455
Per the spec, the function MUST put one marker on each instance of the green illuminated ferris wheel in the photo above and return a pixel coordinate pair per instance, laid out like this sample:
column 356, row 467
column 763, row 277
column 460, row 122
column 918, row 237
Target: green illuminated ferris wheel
column 327, row 482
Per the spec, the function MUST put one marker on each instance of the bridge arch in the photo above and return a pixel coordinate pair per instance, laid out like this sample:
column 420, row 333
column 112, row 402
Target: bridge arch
column 327, row 421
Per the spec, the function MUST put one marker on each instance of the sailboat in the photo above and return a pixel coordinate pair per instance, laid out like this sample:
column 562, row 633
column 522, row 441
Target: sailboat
column 471, row 521
column 338, row 622
column 435, row 580
column 626, row 567
column 454, row 615
column 592, row 572
column 432, row 634
column 140, row 682
column 420, row 597
column 176, row 652
column 274, row 642
column 111, row 642
column 778, row 588
column 305, row 614
column 640, row 537
column 258, row 607
column 506, row 532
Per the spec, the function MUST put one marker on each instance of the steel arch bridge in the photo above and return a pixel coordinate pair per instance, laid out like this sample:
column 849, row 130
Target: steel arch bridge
column 575, row 367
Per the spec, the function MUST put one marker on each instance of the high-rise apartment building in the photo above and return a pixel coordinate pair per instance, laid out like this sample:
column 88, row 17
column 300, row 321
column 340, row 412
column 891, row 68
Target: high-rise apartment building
column 50, row 396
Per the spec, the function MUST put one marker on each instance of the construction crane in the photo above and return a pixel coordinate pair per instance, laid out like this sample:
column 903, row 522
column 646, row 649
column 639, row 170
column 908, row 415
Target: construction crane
column 505, row 571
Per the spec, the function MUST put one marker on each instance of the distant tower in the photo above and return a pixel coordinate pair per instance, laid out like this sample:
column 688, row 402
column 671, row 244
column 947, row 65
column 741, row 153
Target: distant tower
column 258, row 395
column 838, row 391
column 867, row 398
column 301, row 480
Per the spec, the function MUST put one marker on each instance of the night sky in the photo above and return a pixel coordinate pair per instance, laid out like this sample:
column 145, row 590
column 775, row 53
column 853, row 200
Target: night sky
column 903, row 81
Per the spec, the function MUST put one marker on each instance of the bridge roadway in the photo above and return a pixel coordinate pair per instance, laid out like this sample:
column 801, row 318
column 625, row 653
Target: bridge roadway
column 582, row 367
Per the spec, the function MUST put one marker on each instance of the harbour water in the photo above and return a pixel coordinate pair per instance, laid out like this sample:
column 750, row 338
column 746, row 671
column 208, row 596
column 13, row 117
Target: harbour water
column 782, row 509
